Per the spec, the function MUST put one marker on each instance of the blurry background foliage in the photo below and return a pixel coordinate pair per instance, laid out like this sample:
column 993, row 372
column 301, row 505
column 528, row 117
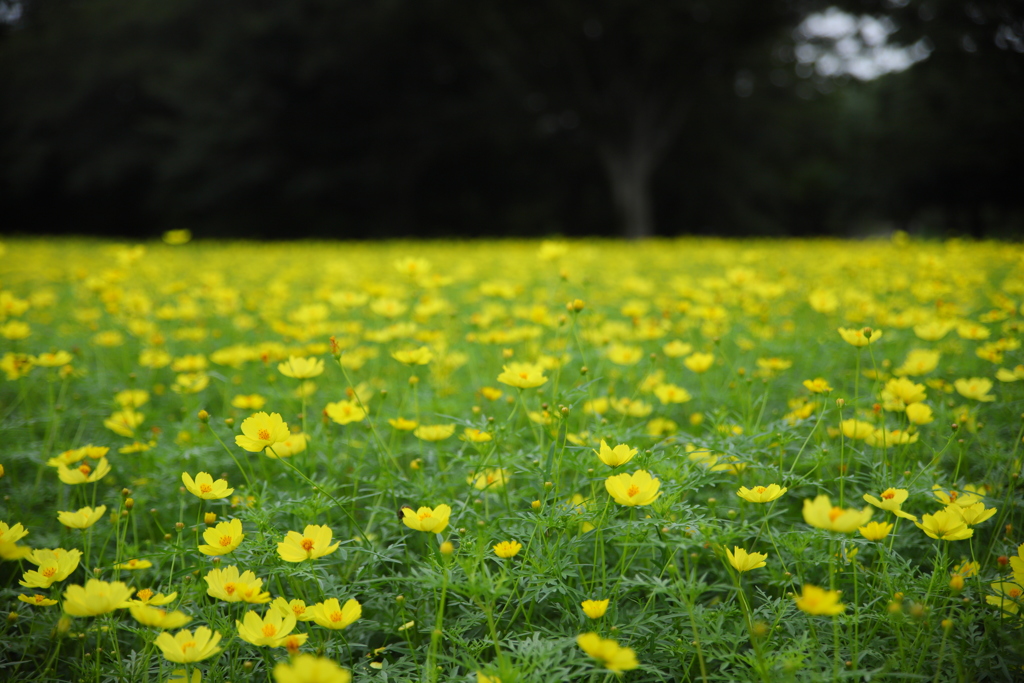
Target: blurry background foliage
column 334, row 118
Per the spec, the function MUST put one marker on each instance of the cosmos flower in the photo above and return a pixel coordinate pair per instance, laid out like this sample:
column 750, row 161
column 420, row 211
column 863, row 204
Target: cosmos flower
column 205, row 487
column 639, row 488
column 313, row 542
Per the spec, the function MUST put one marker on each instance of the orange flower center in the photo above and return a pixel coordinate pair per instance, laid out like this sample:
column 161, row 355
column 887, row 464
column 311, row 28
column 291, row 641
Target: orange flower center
column 132, row 563
column 307, row 544
column 299, row 610
column 889, row 494
column 229, row 588
column 336, row 616
column 38, row 599
column 1014, row 593
column 292, row 643
column 205, row 488
column 264, row 435
column 145, row 594
column 523, row 375
column 225, row 541
column 49, row 571
column 953, row 495
column 84, row 469
column 425, row 515
column 186, row 646
column 633, row 490
column 834, row 513
column 269, row 630
column 759, row 489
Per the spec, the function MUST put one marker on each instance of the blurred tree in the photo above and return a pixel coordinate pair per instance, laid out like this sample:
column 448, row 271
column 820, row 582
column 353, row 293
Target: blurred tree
column 620, row 77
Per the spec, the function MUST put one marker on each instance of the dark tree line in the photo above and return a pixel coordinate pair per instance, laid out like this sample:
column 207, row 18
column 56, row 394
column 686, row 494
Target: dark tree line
column 383, row 118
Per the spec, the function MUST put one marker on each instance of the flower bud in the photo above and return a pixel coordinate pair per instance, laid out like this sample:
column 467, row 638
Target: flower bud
column 204, row 416
column 210, row 517
column 447, row 548
column 129, row 503
column 535, row 505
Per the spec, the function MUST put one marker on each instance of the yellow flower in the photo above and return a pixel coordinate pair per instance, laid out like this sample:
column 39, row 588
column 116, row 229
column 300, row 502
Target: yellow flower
column 1017, row 561
column 228, row 585
column 595, row 609
column 262, row 430
column 817, row 601
column 205, row 487
column 947, row 525
column 185, row 648
column 148, row 597
column 248, row 402
column 331, row 614
column 313, row 542
column 699, row 362
column 434, row 432
column 83, row 518
column 490, row 479
column 817, row 386
column 614, row 457
column 507, row 549
column 860, row 337
column 875, row 531
column 630, row 407
column 918, row 362
column 296, row 607
column 54, row 359
column 975, row 388
column 124, row 422
column 856, row 429
column 37, row 600
column 426, row 519
column 742, row 561
column 158, row 618
column 271, row 629
column 53, row 565
column 901, row 392
column 919, row 413
column 522, row 375
column 933, row 330
column 475, row 435
column 891, row 499
column 1009, row 597
column 96, row 597
column 621, row 354
column 975, row 514
column 301, row 368
column 484, row 678
column 344, row 412
column 190, row 382
column 223, row 538
column 761, row 494
column 969, row 496
column 671, row 394
column 296, row 443
column 134, row 564
column 303, row 668
column 84, row 473
column 639, row 488
column 612, row 656
column 420, row 356
column 12, row 534
column 403, row 425
column 822, row 514
column 676, row 349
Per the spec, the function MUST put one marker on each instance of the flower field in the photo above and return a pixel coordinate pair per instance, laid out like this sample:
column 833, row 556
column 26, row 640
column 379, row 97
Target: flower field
column 691, row 460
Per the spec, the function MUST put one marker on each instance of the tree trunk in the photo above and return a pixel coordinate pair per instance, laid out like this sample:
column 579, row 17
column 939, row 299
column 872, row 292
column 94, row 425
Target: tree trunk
column 631, row 163
column 629, row 174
